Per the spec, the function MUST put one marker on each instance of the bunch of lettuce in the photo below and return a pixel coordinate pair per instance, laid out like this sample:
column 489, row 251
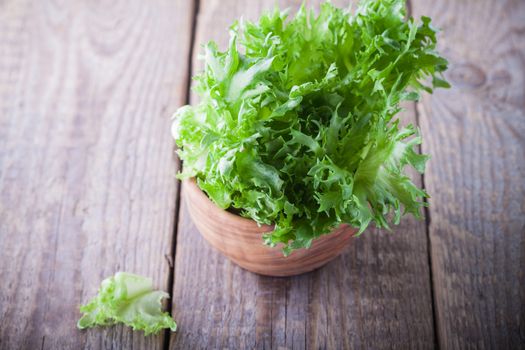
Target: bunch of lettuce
column 129, row 299
column 297, row 120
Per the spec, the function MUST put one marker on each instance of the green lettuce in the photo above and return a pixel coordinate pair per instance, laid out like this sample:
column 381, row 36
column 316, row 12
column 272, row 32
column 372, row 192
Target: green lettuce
column 129, row 299
column 297, row 124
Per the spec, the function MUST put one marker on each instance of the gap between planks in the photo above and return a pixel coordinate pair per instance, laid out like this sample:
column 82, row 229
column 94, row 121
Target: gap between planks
column 171, row 276
column 426, row 213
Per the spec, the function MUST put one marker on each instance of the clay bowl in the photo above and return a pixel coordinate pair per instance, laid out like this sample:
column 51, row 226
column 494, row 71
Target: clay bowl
column 240, row 239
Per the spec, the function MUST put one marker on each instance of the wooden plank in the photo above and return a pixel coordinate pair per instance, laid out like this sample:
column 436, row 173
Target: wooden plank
column 86, row 167
column 475, row 133
column 376, row 295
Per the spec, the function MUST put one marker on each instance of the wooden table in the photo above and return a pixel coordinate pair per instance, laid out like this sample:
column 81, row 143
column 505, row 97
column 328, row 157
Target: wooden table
column 87, row 188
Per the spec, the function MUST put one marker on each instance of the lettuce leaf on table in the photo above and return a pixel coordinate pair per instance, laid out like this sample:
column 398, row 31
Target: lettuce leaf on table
column 129, row 299
column 297, row 124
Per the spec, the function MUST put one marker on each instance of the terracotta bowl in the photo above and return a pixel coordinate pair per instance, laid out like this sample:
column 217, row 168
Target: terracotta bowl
column 240, row 239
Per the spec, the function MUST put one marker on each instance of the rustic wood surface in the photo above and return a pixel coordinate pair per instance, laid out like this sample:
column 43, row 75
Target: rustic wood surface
column 87, row 189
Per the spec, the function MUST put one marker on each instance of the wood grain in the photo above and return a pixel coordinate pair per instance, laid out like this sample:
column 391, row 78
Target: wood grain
column 476, row 135
column 86, row 165
column 239, row 239
column 376, row 295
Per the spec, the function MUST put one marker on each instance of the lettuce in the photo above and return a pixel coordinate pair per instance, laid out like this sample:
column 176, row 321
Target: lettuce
column 129, row 299
column 297, row 124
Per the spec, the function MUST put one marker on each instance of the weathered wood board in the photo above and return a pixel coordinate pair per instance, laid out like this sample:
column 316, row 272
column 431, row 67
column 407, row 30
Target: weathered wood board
column 376, row 295
column 86, row 164
column 476, row 135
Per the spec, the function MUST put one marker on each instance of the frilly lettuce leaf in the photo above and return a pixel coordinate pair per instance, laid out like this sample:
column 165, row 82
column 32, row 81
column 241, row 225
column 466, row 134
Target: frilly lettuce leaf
column 129, row 299
column 297, row 124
